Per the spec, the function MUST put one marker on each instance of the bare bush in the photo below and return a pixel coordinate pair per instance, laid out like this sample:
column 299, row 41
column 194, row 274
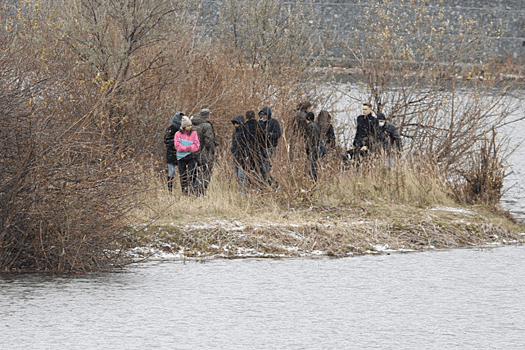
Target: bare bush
column 71, row 123
column 436, row 80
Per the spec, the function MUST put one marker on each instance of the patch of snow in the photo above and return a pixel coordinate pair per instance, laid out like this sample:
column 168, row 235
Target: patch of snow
column 406, row 250
column 153, row 254
column 454, row 210
column 381, row 248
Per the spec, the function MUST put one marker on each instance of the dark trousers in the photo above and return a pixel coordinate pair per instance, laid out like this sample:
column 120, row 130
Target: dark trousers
column 187, row 173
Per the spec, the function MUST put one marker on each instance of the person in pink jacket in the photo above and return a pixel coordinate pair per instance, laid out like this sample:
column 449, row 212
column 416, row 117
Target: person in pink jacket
column 186, row 144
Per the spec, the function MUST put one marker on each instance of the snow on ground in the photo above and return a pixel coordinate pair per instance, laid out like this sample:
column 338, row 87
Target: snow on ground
column 455, row 210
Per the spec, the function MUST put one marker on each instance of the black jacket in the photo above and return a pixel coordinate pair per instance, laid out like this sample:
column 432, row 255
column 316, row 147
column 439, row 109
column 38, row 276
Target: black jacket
column 271, row 127
column 169, row 139
column 388, row 137
column 311, row 139
column 366, row 133
column 255, row 139
column 239, row 146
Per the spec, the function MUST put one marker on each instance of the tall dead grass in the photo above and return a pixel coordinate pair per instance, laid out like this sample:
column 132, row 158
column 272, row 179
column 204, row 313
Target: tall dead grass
column 340, row 186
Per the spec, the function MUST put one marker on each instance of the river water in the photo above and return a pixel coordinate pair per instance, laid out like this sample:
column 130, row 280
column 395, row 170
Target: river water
column 464, row 299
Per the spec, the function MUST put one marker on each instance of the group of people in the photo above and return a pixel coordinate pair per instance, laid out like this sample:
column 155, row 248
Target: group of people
column 191, row 144
column 318, row 136
column 253, row 147
column 374, row 134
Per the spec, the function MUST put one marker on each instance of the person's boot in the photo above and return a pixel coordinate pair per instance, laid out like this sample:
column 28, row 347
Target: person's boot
column 170, row 185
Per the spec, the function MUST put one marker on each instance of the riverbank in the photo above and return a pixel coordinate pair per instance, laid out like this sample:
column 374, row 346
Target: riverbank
column 326, row 231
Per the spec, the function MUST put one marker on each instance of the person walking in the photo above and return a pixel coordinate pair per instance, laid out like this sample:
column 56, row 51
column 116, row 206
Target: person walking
column 206, row 155
column 187, row 143
column 171, row 152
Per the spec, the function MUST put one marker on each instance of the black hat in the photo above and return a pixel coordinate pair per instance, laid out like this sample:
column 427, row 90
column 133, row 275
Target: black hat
column 381, row 116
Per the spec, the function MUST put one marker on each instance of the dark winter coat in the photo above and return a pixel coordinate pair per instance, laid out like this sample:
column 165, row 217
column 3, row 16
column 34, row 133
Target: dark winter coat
column 299, row 123
column 239, row 146
column 388, row 137
column 366, row 133
column 255, row 140
column 171, row 152
column 312, row 138
column 324, row 121
column 204, row 129
column 271, row 127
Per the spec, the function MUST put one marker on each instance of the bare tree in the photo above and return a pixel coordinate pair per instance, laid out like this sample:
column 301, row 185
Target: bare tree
column 434, row 79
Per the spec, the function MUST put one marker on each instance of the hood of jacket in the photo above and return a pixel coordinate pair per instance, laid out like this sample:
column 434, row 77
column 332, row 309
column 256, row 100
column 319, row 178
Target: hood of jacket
column 238, row 119
column 267, row 111
column 176, row 120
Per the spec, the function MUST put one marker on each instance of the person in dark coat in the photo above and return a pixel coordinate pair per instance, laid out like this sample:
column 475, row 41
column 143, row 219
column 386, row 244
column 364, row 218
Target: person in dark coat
column 256, row 145
column 206, row 155
column 324, row 121
column 271, row 128
column 366, row 133
column 272, row 133
column 171, row 152
column 312, row 139
column 298, row 127
column 388, row 138
column 239, row 149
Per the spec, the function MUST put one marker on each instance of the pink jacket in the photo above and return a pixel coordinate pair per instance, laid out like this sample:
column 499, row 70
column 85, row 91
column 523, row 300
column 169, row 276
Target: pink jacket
column 192, row 137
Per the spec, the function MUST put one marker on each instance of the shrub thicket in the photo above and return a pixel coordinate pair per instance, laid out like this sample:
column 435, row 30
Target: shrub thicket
column 87, row 88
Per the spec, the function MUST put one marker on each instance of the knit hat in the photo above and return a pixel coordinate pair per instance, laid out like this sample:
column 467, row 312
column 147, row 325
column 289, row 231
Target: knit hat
column 185, row 122
column 205, row 112
column 381, row 116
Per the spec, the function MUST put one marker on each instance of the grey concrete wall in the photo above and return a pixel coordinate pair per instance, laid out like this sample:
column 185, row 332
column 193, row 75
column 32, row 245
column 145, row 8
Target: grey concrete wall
column 507, row 17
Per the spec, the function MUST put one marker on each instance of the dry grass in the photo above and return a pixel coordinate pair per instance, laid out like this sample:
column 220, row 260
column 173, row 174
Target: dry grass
column 340, row 190
column 82, row 119
column 407, row 229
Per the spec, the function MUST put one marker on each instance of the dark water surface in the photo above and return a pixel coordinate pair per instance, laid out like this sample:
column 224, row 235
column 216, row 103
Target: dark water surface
column 463, row 299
